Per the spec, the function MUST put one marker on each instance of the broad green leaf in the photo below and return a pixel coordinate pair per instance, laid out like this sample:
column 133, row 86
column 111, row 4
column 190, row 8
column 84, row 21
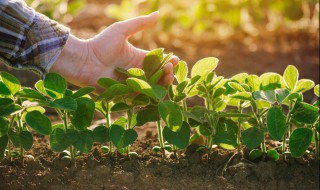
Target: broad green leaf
column 66, row 103
column 30, row 94
column 236, row 86
column 305, row 113
column 156, row 76
column 85, row 141
column 276, row 123
column 136, row 73
column 61, row 140
column 152, row 62
column 304, row 85
column 254, row 82
column 3, row 145
column 122, row 70
column 4, row 90
column 82, row 117
column 9, row 109
column 170, row 112
column 299, row 141
column 141, row 100
column 147, row 115
column 273, row 154
column 141, row 86
column 203, row 67
column 270, row 81
column 181, row 87
column 281, row 95
column 240, row 78
column 82, row 91
column 120, row 137
column 181, row 71
column 120, row 106
column 179, row 138
column 55, row 85
column 14, row 137
column 290, row 77
column 241, row 95
column 101, row 134
column 106, row 82
column 252, row 137
column 11, row 82
column 204, row 129
column 226, row 132
column 316, row 90
column 159, row 91
column 255, row 154
column 39, row 122
column 26, row 140
column 121, row 121
column 116, row 90
column 268, row 95
column 4, row 126
column 40, row 87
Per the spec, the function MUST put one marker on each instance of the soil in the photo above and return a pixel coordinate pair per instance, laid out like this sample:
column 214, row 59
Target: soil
column 149, row 170
column 267, row 52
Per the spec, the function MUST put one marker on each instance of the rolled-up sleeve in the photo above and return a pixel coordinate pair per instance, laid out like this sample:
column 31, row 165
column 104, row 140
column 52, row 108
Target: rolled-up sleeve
column 29, row 40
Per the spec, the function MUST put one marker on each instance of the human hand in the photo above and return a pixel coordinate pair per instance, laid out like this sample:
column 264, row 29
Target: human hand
column 83, row 62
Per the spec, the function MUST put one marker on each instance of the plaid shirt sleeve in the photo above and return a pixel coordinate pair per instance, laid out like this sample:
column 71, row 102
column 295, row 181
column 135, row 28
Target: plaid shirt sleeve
column 29, row 40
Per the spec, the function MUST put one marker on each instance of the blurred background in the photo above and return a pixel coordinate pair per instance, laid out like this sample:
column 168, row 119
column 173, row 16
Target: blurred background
column 252, row 36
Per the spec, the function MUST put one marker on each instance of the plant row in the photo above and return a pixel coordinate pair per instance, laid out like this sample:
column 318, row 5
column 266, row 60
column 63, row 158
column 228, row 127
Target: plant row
column 238, row 112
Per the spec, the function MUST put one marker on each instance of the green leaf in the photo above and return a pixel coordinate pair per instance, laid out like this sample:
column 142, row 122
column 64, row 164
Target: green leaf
column 106, row 82
column 141, row 86
column 276, row 123
column 61, row 140
column 136, row 73
column 82, row 91
column 40, row 87
column 159, row 91
column 11, row 82
column 120, row 137
column 241, row 95
column 156, row 76
column 30, row 94
column 26, row 140
column 3, row 145
column 268, row 95
column 152, row 62
column 304, row 85
column 254, row 82
column 4, row 126
column 240, row 78
column 255, row 154
column 82, row 117
column 116, row 90
column 316, row 90
column 179, row 138
column 270, row 81
column 101, row 134
column 4, row 90
column 299, row 141
column 141, row 100
column 305, row 113
column 66, row 103
column 120, row 106
column 147, row 115
column 121, row 121
column 236, row 86
column 181, row 71
column 290, row 77
column 8, row 109
column 170, row 112
column 281, row 95
column 252, row 137
column 39, row 122
column 85, row 141
column 273, row 154
column 226, row 132
column 203, row 67
column 55, row 85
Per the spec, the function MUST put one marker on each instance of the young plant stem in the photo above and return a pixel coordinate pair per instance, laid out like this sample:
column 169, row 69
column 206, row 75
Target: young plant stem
column 288, row 126
column 9, row 143
column 105, row 106
column 129, row 115
column 20, row 128
column 260, row 123
column 316, row 142
column 239, row 128
column 160, row 138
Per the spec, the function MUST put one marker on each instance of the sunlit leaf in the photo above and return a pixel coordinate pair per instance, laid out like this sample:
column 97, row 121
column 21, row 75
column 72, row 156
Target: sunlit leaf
column 291, row 76
column 299, row 141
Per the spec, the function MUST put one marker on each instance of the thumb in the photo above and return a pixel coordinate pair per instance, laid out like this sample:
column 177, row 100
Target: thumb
column 134, row 25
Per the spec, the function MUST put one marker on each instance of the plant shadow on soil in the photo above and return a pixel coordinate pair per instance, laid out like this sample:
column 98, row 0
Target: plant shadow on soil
column 149, row 171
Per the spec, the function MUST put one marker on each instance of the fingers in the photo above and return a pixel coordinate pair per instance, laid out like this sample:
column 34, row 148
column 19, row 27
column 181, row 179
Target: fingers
column 174, row 60
column 134, row 25
column 168, row 76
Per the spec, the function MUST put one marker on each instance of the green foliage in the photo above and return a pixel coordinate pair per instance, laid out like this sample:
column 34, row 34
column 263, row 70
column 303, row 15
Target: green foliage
column 299, row 141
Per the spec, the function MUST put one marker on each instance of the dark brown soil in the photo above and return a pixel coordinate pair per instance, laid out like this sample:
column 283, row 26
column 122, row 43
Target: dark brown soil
column 149, row 171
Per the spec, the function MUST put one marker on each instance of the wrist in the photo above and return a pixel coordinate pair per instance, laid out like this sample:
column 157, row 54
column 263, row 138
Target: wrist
column 71, row 59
